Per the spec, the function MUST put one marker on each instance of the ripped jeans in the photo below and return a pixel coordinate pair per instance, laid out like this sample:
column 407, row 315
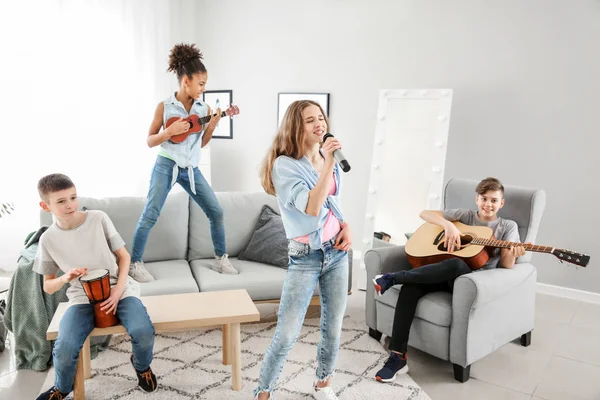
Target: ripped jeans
column 329, row 268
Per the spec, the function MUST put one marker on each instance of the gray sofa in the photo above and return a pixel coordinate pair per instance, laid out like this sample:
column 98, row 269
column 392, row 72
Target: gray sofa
column 180, row 251
column 487, row 309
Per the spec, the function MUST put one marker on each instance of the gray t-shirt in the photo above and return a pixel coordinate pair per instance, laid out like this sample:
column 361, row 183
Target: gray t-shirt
column 90, row 245
column 504, row 229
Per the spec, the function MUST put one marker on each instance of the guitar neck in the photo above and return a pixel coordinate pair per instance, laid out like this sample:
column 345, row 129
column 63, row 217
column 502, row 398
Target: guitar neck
column 204, row 120
column 506, row 245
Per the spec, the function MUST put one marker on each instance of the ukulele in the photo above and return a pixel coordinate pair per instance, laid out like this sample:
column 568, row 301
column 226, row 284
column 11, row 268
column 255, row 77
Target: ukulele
column 197, row 123
column 426, row 246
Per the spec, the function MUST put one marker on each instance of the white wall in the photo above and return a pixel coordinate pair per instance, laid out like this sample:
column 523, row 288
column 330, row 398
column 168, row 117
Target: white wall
column 524, row 75
column 80, row 81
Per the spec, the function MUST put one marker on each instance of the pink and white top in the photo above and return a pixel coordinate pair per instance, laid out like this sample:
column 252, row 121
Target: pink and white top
column 332, row 224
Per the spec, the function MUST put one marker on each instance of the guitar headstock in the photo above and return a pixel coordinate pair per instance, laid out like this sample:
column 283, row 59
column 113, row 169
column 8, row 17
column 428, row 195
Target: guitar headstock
column 232, row 110
column 572, row 257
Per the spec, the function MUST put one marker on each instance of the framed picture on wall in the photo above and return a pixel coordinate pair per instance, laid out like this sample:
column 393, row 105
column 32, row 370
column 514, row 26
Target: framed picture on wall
column 220, row 99
column 285, row 99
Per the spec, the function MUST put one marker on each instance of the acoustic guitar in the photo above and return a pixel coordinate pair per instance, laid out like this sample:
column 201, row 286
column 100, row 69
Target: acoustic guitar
column 426, row 246
column 197, row 123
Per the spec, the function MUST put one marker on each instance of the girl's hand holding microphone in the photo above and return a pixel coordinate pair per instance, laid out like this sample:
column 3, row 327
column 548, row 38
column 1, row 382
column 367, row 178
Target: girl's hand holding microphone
column 330, row 145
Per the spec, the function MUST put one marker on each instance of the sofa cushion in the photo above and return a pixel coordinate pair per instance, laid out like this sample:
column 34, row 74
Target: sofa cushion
column 268, row 243
column 240, row 213
column 171, row 277
column 263, row 282
column 433, row 307
column 168, row 239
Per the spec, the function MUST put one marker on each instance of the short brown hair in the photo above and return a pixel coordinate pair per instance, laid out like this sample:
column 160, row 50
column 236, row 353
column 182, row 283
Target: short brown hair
column 488, row 184
column 53, row 183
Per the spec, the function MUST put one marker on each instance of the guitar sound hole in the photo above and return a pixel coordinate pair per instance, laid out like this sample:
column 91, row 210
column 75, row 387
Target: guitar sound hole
column 464, row 242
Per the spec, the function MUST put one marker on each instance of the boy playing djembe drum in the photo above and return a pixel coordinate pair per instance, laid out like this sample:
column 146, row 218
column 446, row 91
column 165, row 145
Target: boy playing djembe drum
column 78, row 242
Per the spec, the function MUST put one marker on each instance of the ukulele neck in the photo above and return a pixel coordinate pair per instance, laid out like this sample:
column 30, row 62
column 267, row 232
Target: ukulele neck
column 206, row 119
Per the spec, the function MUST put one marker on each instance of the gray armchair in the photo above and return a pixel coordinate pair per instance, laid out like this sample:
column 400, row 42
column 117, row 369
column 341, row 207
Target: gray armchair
column 487, row 308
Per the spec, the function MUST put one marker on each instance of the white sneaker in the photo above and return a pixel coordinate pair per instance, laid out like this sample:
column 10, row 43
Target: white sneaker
column 139, row 273
column 223, row 266
column 324, row 393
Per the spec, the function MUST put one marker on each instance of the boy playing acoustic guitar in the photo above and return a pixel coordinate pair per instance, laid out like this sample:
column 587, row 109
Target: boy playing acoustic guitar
column 418, row 282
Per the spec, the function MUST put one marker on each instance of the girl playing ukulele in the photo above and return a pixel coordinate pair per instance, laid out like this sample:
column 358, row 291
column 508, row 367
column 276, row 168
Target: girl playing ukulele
column 178, row 162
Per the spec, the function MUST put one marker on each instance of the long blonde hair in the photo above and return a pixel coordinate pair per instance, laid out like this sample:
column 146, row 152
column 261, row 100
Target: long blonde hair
column 289, row 141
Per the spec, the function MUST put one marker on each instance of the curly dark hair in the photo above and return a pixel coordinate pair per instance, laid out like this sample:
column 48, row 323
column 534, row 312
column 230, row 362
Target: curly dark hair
column 185, row 59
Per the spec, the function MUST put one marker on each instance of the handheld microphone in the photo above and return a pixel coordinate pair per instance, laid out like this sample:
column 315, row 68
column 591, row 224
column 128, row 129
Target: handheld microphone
column 338, row 155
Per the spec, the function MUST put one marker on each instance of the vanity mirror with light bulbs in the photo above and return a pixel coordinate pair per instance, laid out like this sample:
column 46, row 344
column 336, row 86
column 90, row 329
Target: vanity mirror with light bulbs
column 407, row 167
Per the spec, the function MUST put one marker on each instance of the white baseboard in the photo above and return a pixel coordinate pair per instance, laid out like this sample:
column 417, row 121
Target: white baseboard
column 588, row 297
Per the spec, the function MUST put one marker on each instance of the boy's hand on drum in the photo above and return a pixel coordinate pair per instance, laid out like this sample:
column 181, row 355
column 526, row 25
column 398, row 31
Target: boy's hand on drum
column 74, row 273
column 110, row 305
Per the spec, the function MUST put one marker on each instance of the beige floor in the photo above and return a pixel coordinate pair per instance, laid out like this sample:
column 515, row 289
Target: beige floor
column 563, row 361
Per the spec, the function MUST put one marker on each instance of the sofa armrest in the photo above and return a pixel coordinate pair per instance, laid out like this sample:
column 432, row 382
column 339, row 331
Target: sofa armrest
column 379, row 261
column 490, row 309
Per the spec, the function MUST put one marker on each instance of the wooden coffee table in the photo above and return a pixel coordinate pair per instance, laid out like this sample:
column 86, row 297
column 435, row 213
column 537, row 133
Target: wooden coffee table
column 179, row 312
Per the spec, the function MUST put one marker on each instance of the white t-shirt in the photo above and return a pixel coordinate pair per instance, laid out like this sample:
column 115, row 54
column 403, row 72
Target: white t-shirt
column 90, row 245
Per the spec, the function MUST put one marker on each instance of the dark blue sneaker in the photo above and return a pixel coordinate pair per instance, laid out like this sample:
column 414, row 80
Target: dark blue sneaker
column 53, row 394
column 394, row 365
column 383, row 283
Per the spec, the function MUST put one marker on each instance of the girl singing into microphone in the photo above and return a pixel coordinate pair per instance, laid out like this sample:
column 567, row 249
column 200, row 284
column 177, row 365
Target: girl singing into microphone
column 303, row 174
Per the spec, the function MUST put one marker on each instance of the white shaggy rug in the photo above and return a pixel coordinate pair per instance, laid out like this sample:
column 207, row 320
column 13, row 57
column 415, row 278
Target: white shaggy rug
column 188, row 366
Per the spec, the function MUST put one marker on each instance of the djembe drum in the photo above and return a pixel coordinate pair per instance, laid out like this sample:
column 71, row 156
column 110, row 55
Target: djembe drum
column 96, row 285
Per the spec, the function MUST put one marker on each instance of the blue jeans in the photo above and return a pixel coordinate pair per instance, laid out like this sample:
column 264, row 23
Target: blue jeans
column 78, row 322
column 329, row 268
column 160, row 186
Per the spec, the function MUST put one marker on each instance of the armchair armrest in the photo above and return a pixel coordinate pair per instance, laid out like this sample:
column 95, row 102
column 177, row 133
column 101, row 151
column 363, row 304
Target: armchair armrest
column 380, row 243
column 489, row 309
column 479, row 288
column 381, row 260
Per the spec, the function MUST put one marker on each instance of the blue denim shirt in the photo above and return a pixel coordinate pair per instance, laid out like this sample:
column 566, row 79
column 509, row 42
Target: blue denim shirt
column 187, row 153
column 293, row 180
